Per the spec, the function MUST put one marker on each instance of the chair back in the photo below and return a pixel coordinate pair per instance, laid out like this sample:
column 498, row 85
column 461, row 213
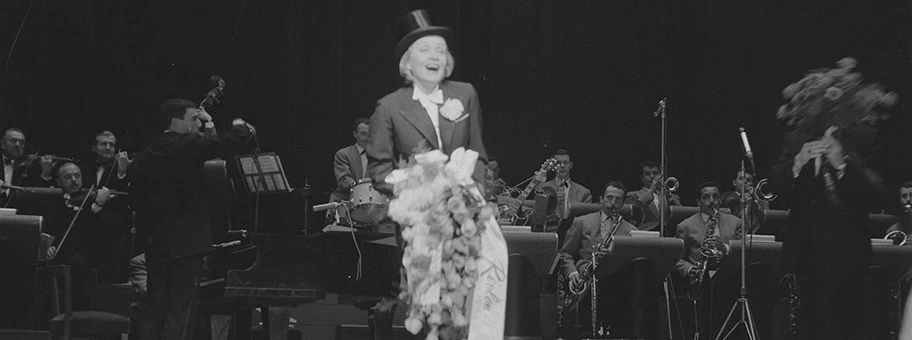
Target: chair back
column 53, row 274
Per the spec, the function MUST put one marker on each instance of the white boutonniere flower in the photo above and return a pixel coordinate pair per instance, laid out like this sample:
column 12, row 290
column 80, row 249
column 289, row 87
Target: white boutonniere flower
column 452, row 109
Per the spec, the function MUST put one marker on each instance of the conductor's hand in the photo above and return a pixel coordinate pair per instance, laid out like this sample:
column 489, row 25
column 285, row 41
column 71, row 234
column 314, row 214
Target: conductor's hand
column 809, row 151
column 51, row 253
column 832, row 149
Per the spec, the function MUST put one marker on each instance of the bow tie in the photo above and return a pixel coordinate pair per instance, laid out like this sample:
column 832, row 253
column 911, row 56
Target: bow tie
column 435, row 97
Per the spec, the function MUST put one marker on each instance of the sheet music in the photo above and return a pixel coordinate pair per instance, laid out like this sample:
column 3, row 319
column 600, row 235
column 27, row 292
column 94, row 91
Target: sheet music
column 247, row 166
column 268, row 163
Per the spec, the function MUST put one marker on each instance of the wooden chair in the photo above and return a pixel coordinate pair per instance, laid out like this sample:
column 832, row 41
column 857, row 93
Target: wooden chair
column 83, row 324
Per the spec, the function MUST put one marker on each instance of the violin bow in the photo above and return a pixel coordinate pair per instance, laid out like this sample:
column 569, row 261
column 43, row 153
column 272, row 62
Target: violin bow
column 75, row 217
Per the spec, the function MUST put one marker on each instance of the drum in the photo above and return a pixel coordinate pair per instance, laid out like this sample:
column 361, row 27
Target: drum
column 368, row 205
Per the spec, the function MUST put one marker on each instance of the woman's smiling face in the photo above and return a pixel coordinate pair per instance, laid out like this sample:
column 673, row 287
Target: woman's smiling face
column 427, row 60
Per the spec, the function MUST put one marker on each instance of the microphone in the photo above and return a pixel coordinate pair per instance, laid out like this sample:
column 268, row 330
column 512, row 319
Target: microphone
column 327, row 206
column 660, row 109
column 746, row 144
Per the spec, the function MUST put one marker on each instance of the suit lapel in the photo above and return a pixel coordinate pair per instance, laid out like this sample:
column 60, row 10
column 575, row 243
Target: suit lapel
column 416, row 115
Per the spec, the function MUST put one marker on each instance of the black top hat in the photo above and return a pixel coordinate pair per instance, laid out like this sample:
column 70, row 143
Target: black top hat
column 415, row 25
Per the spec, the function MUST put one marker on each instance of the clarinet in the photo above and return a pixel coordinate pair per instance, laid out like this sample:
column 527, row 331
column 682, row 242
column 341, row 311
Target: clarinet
column 597, row 251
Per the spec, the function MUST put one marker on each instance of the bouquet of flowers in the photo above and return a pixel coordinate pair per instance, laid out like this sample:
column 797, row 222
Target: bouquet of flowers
column 833, row 97
column 444, row 216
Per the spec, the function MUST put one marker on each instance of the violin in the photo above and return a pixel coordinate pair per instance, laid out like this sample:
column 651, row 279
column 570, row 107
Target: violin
column 35, row 157
column 86, row 195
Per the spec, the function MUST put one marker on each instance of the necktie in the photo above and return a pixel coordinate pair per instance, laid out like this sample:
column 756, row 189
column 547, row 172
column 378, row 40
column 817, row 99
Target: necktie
column 363, row 163
column 562, row 200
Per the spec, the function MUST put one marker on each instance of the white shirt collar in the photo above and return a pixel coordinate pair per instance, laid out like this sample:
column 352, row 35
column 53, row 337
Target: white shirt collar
column 436, row 95
column 360, row 149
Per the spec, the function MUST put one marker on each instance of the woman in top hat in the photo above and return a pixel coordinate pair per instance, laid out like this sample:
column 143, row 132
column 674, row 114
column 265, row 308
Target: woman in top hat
column 429, row 112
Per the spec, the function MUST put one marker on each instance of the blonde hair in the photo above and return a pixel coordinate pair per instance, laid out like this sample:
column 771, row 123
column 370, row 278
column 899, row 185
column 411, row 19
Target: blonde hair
column 407, row 76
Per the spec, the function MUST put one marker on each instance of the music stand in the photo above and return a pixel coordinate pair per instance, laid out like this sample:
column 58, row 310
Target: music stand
column 262, row 173
column 22, row 235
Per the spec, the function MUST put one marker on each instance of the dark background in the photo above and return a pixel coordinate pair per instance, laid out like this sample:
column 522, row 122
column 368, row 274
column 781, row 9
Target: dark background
column 574, row 74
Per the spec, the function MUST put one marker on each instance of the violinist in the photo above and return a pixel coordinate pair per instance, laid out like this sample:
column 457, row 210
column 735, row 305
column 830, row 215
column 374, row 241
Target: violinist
column 108, row 169
column 87, row 245
column 20, row 169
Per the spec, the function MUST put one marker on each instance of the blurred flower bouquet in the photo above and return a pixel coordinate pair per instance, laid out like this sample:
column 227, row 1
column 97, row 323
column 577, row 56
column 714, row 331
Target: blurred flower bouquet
column 833, row 97
column 444, row 218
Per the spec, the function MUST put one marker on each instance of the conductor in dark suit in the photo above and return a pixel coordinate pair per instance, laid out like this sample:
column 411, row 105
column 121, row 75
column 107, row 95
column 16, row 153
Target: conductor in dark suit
column 350, row 162
column 429, row 112
column 826, row 244
column 171, row 206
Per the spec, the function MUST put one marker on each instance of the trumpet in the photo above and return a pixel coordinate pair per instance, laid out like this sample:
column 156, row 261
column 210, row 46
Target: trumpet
column 758, row 190
column 671, row 184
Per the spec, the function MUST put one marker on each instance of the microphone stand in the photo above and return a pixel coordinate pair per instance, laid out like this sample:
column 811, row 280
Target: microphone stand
column 667, row 286
column 747, row 318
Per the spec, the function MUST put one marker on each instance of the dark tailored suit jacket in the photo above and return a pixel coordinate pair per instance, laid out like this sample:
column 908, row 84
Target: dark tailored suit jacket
column 346, row 164
column 584, row 233
column 400, row 126
column 693, row 231
column 827, row 244
column 116, row 209
column 168, row 193
column 578, row 194
column 644, row 199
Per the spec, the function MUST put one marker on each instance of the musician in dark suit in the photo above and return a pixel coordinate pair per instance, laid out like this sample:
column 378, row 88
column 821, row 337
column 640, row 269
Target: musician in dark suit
column 826, row 245
column 559, row 192
column 623, row 298
column 430, row 112
column 172, row 208
column 108, row 169
column 87, row 246
column 350, row 162
column 20, row 169
column 695, row 231
column 647, row 198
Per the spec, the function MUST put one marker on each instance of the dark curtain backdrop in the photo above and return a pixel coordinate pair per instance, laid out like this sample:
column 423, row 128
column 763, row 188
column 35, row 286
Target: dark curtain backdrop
column 575, row 74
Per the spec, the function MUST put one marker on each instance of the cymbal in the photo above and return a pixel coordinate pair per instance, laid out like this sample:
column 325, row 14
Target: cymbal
column 308, row 191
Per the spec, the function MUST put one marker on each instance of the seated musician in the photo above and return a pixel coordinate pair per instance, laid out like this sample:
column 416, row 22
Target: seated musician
column 904, row 222
column 350, row 162
column 562, row 189
column 732, row 200
column 647, row 198
column 20, row 169
column 108, row 169
column 624, row 308
column 87, row 244
column 708, row 231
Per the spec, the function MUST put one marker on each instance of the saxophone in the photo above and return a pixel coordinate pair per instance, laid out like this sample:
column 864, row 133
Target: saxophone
column 576, row 291
column 710, row 257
